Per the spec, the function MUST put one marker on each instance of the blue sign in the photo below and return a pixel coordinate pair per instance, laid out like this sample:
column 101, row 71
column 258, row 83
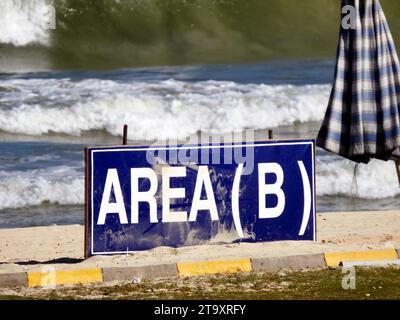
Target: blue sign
column 139, row 198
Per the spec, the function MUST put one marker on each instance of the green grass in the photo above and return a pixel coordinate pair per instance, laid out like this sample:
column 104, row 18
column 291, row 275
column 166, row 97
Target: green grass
column 371, row 283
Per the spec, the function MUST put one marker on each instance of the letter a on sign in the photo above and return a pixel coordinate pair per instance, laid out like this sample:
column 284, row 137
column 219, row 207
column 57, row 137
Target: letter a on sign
column 275, row 188
column 203, row 178
column 112, row 183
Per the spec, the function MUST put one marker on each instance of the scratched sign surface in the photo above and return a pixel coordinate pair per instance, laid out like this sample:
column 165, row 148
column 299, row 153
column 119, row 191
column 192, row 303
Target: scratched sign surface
column 143, row 197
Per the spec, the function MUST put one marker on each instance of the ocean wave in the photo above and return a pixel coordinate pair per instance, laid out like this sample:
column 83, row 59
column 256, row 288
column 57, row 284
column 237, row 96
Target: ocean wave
column 104, row 34
column 114, row 34
column 57, row 185
column 341, row 177
column 155, row 110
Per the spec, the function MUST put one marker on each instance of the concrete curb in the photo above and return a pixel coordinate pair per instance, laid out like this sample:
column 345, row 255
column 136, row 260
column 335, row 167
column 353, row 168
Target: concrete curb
column 334, row 259
column 186, row 269
column 198, row 268
column 19, row 280
column 147, row 272
column 312, row 261
column 61, row 277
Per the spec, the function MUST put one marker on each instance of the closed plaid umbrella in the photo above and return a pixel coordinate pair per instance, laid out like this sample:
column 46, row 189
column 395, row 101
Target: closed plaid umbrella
column 362, row 120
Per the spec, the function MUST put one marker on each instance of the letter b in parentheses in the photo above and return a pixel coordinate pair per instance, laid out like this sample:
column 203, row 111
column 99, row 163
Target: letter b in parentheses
column 273, row 188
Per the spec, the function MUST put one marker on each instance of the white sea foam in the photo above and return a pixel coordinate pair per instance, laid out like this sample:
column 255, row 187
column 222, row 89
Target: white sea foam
column 376, row 180
column 155, row 110
column 23, row 22
column 45, row 157
column 57, row 185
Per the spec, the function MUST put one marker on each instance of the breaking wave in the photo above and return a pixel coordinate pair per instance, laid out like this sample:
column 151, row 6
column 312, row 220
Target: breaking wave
column 56, row 185
column 154, row 110
column 341, row 177
column 109, row 34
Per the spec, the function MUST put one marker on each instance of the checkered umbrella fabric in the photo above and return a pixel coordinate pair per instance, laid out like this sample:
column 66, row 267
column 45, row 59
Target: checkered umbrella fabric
column 362, row 120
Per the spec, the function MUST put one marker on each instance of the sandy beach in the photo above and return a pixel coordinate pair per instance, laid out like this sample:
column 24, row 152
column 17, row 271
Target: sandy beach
column 29, row 249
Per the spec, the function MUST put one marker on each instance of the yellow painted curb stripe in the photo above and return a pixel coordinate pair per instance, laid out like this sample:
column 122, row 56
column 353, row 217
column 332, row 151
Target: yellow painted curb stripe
column 213, row 267
column 50, row 277
column 333, row 259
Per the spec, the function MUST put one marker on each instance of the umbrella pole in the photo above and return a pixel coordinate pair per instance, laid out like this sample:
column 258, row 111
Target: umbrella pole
column 397, row 163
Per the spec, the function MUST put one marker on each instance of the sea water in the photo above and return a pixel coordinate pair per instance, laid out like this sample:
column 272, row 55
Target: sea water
column 46, row 120
column 49, row 112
